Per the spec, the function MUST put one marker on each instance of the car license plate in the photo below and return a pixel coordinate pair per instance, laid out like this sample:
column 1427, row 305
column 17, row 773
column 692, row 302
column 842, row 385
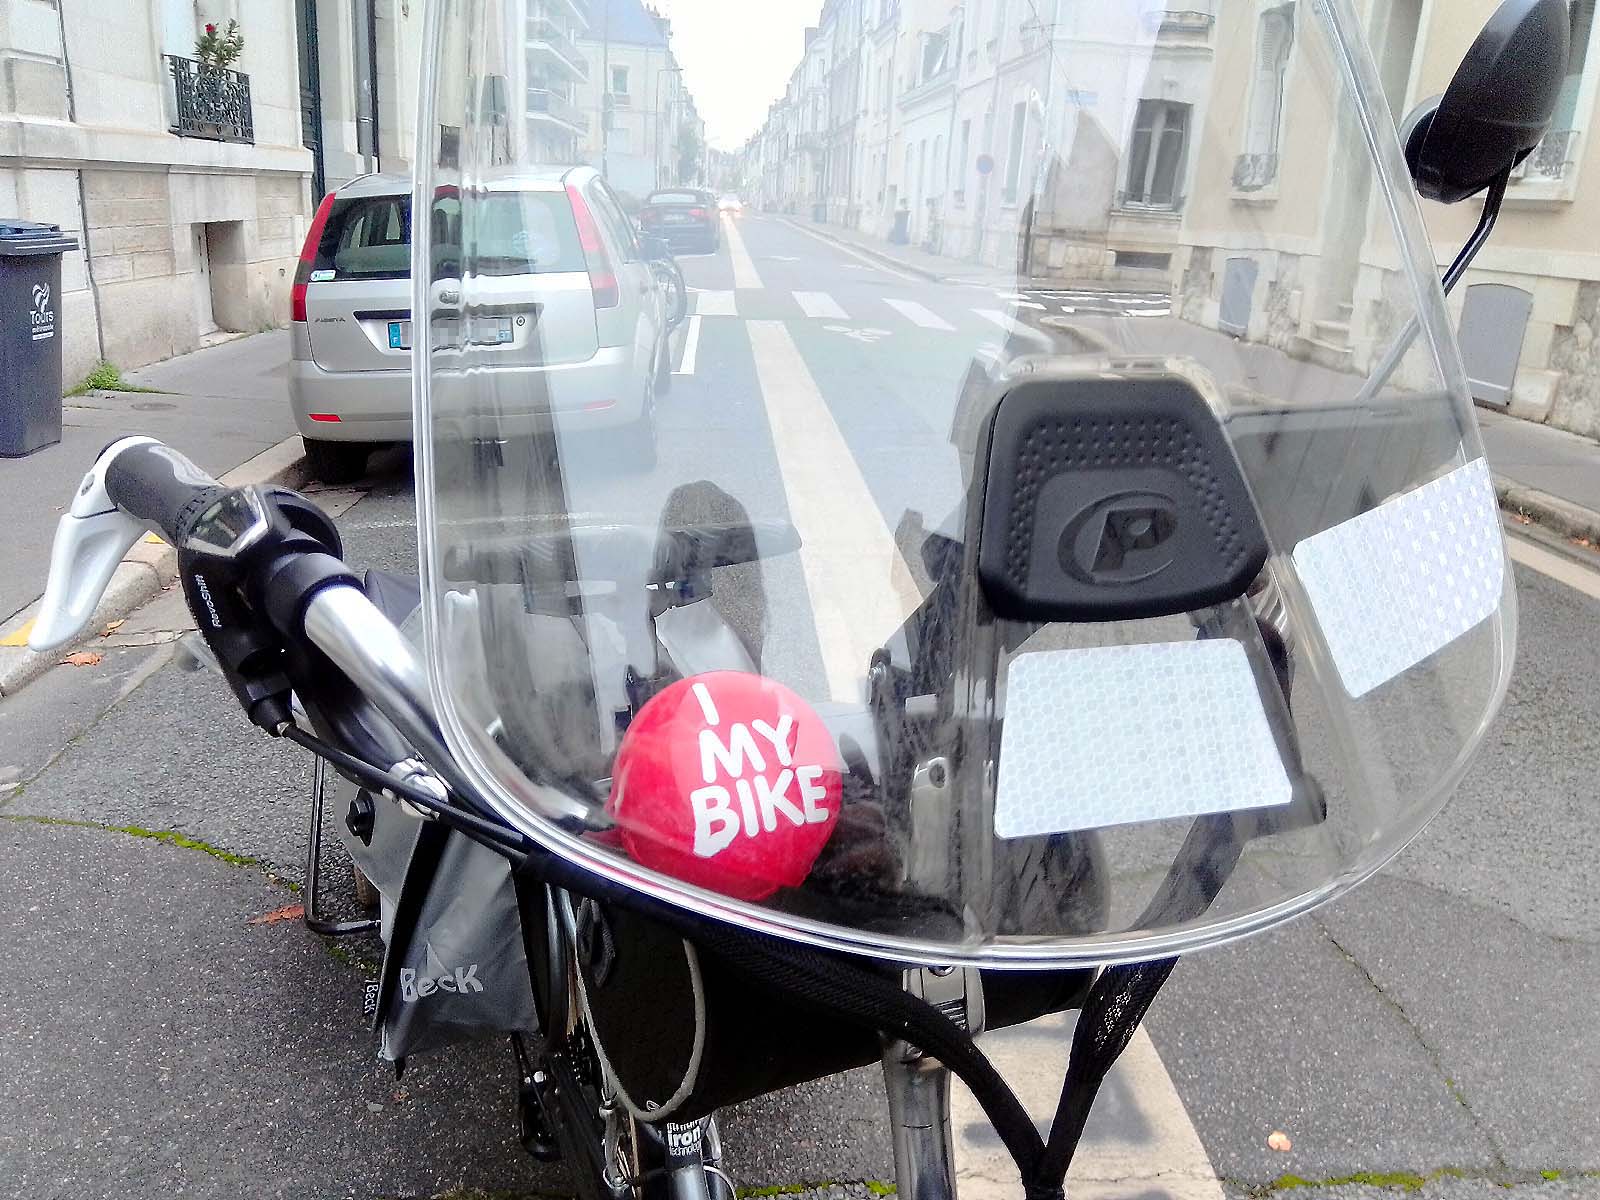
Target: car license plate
column 479, row 331
column 677, row 218
column 399, row 335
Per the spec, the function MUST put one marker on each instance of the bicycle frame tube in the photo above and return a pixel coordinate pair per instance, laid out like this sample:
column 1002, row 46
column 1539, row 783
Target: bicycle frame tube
column 918, row 1088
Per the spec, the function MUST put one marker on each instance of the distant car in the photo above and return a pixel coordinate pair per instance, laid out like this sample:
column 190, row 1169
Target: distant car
column 686, row 217
column 564, row 293
column 729, row 203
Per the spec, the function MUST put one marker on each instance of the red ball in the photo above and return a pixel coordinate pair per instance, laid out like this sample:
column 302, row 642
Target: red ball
column 727, row 781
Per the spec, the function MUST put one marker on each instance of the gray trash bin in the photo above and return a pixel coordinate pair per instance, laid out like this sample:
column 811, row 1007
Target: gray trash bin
column 30, row 335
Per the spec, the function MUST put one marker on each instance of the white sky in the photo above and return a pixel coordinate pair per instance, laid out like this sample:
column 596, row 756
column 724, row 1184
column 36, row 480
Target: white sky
column 737, row 56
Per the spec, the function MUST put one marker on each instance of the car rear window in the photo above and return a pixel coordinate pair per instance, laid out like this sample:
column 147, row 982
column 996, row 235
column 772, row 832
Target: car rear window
column 674, row 198
column 367, row 237
column 515, row 233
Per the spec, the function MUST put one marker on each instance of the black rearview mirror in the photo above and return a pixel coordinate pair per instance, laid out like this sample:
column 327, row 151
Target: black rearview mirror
column 1498, row 105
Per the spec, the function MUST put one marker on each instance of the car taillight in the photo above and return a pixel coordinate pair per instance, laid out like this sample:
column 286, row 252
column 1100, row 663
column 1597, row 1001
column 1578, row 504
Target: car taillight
column 602, row 276
column 697, row 213
column 308, row 256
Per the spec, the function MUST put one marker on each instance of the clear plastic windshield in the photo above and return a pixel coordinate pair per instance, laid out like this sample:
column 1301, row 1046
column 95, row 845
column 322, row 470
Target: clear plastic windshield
column 1045, row 523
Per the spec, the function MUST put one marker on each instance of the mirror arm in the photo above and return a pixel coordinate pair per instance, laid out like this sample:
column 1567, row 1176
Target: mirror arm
column 1492, row 201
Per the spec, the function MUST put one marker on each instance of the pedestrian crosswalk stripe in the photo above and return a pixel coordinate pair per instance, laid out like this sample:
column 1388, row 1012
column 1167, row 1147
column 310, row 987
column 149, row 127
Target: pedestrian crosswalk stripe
column 919, row 314
column 820, row 304
column 716, row 304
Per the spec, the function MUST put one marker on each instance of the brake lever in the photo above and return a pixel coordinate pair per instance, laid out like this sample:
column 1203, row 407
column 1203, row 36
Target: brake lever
column 91, row 539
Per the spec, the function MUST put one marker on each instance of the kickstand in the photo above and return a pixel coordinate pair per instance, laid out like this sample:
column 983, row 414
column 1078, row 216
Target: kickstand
column 315, row 919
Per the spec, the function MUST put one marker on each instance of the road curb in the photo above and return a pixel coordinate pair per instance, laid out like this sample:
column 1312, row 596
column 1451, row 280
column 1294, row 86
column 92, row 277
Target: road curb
column 1552, row 513
column 147, row 568
column 887, row 259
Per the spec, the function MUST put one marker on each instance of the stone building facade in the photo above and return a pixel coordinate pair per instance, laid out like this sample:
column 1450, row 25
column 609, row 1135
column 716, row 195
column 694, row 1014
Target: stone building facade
column 189, row 191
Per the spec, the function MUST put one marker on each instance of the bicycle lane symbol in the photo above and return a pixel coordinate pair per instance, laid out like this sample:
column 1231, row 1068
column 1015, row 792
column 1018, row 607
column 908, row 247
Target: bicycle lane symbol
column 865, row 336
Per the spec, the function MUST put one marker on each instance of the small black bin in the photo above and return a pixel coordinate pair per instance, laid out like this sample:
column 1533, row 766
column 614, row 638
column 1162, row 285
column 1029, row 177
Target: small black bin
column 30, row 335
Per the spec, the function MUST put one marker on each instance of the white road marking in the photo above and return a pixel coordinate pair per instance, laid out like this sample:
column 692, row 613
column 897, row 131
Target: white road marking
column 1011, row 325
column 716, row 304
column 919, row 314
column 860, row 591
column 1563, row 570
column 1156, row 1153
column 691, row 346
column 745, row 274
column 820, row 304
column 866, row 336
column 874, row 263
column 860, row 587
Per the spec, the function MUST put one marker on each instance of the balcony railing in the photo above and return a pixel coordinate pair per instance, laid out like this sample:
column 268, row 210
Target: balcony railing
column 1252, row 172
column 1179, row 20
column 1552, row 159
column 542, row 102
column 210, row 102
column 541, row 29
column 1150, row 202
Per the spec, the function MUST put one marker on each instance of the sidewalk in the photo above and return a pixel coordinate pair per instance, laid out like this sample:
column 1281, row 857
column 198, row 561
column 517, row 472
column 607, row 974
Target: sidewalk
column 222, row 406
column 935, row 267
column 1547, row 475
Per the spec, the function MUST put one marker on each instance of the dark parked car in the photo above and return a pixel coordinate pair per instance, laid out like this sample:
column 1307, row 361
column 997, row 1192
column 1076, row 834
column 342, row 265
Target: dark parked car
column 685, row 217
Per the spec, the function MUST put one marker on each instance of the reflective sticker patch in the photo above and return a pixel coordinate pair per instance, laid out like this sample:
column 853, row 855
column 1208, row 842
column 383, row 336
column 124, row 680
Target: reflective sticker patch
column 1112, row 735
column 1403, row 581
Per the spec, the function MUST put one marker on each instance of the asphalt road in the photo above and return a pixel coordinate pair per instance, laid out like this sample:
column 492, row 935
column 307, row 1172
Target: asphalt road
column 1436, row 1028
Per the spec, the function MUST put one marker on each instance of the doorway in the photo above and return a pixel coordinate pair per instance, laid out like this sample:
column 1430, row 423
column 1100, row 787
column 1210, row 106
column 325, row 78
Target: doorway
column 1494, row 324
column 205, row 317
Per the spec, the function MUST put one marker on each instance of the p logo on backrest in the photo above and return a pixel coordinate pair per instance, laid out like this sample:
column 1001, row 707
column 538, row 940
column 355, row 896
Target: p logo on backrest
column 1122, row 539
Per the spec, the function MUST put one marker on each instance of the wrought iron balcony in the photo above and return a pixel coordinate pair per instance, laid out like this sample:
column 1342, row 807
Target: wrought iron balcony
column 1252, row 172
column 542, row 31
column 542, row 102
column 210, row 102
column 1552, row 159
column 1152, row 201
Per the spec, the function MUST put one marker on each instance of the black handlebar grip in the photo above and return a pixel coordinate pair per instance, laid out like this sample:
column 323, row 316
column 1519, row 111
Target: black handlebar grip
column 157, row 484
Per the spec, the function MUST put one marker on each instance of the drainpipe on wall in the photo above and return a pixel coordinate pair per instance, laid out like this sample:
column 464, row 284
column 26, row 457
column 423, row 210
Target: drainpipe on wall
column 83, row 199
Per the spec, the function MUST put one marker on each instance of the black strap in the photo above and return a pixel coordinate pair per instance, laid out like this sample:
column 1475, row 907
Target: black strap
column 1122, row 995
column 843, row 988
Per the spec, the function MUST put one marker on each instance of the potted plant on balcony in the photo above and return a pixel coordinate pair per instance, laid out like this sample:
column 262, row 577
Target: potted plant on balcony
column 217, row 48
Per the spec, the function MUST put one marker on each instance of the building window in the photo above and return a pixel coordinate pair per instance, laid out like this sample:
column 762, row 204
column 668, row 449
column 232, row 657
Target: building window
column 619, row 84
column 1554, row 158
column 1019, row 129
column 935, row 53
column 1258, row 165
column 1157, row 154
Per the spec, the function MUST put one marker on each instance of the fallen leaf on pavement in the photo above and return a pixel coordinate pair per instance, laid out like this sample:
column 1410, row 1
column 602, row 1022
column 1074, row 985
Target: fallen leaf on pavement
column 113, row 626
column 83, row 658
column 289, row 912
column 1278, row 1140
